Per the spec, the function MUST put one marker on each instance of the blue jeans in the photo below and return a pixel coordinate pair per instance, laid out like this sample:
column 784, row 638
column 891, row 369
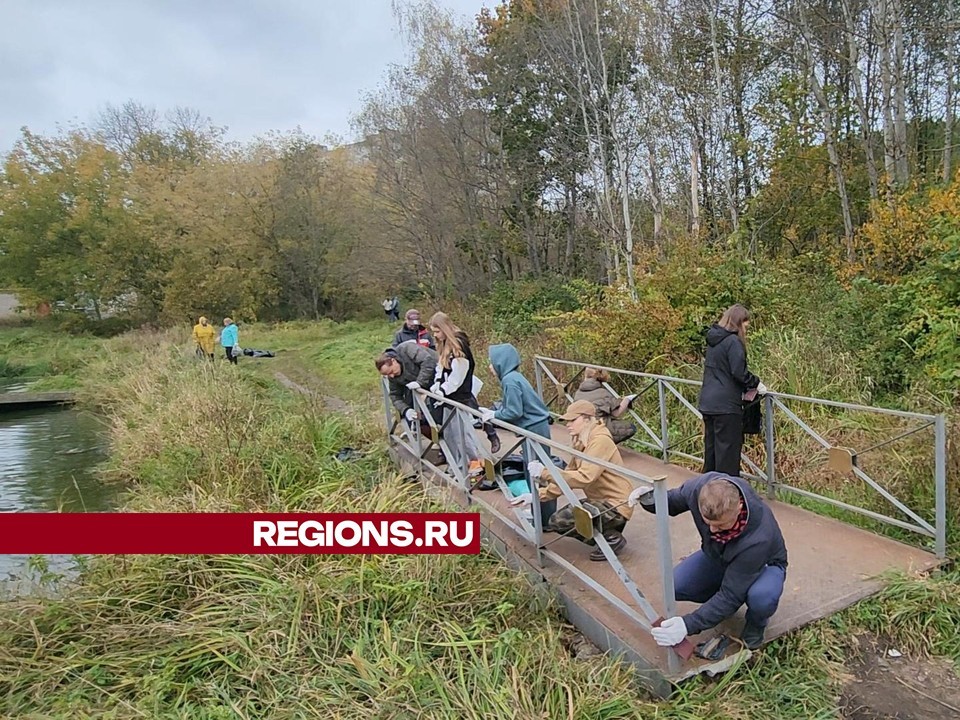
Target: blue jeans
column 698, row 578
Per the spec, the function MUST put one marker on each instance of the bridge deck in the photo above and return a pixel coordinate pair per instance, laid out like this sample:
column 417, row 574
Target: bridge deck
column 27, row 400
column 832, row 565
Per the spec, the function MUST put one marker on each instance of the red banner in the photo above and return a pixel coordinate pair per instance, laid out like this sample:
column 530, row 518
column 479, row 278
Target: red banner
column 239, row 533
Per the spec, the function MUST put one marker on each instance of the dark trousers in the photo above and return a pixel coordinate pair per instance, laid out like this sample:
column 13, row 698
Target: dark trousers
column 489, row 430
column 698, row 578
column 722, row 443
column 437, row 411
column 228, row 351
column 608, row 522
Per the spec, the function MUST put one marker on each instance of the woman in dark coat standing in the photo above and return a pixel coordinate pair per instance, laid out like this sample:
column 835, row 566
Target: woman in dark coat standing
column 725, row 380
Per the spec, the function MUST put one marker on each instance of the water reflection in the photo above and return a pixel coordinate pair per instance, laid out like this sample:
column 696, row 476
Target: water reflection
column 47, row 461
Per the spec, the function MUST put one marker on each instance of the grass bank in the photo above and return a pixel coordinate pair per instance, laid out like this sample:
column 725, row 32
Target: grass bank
column 347, row 637
column 43, row 357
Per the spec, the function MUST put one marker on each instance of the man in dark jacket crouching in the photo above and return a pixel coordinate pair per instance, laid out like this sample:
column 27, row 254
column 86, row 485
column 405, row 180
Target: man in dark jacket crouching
column 742, row 557
column 407, row 367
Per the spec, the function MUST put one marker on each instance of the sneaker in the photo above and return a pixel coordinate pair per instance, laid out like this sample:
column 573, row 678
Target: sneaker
column 617, row 543
column 475, row 468
column 495, row 444
column 752, row 636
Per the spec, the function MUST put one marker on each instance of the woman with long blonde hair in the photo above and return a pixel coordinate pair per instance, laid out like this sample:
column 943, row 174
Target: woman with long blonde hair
column 726, row 380
column 454, row 381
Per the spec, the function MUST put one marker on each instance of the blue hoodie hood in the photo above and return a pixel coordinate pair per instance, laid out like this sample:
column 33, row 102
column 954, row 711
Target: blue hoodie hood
column 505, row 358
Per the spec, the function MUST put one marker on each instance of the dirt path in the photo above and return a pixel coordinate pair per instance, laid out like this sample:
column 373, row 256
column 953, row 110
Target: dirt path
column 890, row 686
column 331, row 402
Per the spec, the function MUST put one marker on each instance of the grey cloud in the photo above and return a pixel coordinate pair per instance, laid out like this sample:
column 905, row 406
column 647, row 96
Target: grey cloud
column 254, row 66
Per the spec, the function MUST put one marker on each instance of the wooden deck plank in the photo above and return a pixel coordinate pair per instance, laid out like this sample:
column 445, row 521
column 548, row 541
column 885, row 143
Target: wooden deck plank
column 26, row 400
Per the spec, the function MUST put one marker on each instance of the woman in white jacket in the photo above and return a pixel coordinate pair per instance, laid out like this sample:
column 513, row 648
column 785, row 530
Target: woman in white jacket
column 454, row 381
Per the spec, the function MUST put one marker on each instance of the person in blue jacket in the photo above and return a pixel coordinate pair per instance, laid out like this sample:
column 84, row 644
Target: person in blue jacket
column 742, row 557
column 521, row 406
column 230, row 339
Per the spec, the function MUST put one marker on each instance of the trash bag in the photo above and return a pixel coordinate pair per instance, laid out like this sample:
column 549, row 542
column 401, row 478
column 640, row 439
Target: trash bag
column 752, row 418
column 714, row 648
column 345, row 454
column 621, row 430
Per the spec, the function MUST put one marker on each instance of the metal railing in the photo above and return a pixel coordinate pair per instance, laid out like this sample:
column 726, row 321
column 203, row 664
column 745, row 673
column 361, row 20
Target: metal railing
column 841, row 459
column 456, row 477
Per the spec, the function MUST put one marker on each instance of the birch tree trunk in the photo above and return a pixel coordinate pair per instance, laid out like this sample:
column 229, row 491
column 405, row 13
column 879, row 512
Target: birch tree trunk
column 656, row 198
column 860, row 99
column 721, row 107
column 951, row 69
column 829, row 133
column 694, row 184
column 889, row 22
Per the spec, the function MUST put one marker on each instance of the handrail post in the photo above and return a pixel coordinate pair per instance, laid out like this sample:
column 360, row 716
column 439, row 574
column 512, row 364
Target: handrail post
column 665, row 558
column 386, row 405
column 771, row 458
column 940, row 438
column 530, row 454
column 538, row 374
column 463, row 460
column 664, row 425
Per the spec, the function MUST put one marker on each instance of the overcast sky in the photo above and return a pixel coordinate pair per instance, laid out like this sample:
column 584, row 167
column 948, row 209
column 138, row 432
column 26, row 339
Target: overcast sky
column 252, row 65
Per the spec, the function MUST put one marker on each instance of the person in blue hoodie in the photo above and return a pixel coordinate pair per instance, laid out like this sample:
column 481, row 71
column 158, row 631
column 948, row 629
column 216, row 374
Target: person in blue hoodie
column 229, row 338
column 520, row 406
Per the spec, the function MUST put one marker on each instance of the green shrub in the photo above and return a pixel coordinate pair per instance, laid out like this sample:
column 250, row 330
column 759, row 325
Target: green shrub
column 80, row 324
column 614, row 330
column 518, row 309
column 11, row 370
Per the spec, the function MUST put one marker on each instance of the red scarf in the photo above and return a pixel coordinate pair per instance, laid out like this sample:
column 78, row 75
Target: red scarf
column 725, row 536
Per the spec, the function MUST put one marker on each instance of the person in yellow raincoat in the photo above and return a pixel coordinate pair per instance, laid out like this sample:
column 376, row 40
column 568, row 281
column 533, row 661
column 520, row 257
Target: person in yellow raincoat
column 204, row 335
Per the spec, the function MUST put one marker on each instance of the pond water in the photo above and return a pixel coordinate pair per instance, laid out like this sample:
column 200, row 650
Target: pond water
column 47, row 463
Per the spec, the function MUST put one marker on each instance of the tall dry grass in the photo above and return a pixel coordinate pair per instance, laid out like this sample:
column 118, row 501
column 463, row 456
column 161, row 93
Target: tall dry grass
column 340, row 637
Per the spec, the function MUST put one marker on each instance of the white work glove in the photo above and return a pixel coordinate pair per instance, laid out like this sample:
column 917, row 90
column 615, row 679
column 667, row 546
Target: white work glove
column 486, row 415
column 762, row 389
column 671, row 632
column 435, row 389
column 410, row 415
column 637, row 494
column 522, row 500
column 535, row 468
column 413, row 385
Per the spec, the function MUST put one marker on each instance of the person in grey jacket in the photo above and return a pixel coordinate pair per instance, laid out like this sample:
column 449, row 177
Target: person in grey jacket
column 610, row 408
column 742, row 557
column 407, row 367
column 725, row 381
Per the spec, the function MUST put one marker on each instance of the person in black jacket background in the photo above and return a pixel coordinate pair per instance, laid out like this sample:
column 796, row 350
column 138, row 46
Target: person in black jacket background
column 725, row 380
column 413, row 330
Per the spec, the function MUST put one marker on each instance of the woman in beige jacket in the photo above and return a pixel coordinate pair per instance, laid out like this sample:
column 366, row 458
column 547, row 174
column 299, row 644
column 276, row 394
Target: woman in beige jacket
column 605, row 489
